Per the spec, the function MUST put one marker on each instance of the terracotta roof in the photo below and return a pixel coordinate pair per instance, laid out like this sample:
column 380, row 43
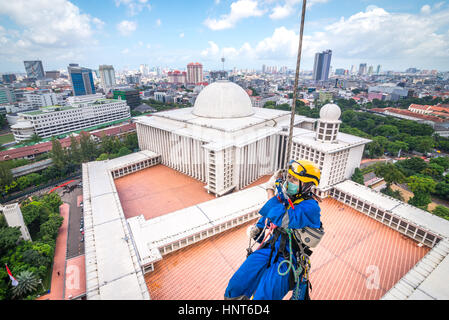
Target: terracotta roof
column 410, row 114
column 160, row 188
column 115, row 130
column 31, row 150
column 355, row 251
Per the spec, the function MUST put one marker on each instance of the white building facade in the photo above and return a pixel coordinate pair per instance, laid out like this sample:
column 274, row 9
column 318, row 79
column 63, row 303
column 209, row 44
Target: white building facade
column 52, row 121
column 107, row 76
column 227, row 144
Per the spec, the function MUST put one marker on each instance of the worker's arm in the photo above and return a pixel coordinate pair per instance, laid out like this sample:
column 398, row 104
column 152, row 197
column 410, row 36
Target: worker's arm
column 305, row 214
column 270, row 193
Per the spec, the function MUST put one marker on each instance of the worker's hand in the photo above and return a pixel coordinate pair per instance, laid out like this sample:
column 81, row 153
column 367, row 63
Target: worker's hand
column 271, row 183
column 255, row 232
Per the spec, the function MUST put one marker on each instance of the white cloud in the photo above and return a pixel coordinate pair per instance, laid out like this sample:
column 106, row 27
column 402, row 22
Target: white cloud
column 125, row 51
column 373, row 34
column 240, row 9
column 158, row 22
column 98, row 23
column 48, row 22
column 125, row 28
column 213, row 50
column 134, row 7
column 181, row 35
column 426, row 9
column 51, row 30
column 289, row 7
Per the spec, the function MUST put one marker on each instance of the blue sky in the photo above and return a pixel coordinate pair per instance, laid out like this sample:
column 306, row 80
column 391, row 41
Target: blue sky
column 126, row 33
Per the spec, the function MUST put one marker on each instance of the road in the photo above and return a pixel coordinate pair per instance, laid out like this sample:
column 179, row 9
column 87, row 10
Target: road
column 74, row 245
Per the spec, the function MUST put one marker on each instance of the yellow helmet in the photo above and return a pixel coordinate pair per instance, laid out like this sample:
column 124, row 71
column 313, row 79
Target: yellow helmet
column 305, row 171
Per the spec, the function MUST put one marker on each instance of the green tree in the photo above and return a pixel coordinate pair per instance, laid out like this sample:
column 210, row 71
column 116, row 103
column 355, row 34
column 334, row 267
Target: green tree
column 421, row 187
column 390, row 173
column 123, row 151
column 441, row 211
column 75, row 152
column 57, row 154
column 441, row 161
column 358, row 176
column 50, row 228
column 387, row 130
column 9, row 237
column 434, row 170
column 87, row 147
column 412, row 165
column 131, row 141
column 103, row 156
column 442, row 190
column 27, row 284
column 5, row 174
column 23, row 182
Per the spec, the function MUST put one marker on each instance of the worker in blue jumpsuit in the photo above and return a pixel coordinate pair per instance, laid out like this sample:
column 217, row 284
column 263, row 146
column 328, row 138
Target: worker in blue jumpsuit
column 260, row 276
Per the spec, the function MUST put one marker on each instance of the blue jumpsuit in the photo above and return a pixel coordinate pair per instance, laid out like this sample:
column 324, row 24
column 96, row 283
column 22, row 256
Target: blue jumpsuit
column 253, row 277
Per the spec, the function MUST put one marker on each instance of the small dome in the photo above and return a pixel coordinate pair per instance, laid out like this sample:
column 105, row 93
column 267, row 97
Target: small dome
column 330, row 112
column 223, row 99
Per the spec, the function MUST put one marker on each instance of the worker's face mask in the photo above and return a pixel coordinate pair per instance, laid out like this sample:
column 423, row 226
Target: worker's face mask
column 292, row 188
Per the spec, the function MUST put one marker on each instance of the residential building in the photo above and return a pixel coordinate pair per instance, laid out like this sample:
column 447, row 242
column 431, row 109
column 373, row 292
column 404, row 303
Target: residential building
column 362, row 69
column 34, row 69
column 194, row 73
column 177, row 77
column 8, row 78
column 131, row 96
column 107, row 76
column 7, row 95
column 81, row 79
column 42, row 99
column 57, row 120
column 321, row 65
column 52, row 74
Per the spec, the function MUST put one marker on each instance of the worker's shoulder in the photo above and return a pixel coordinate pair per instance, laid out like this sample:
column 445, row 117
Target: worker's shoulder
column 310, row 204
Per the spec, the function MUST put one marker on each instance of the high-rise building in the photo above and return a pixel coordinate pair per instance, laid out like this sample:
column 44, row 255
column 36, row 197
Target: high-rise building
column 82, row 80
column 362, row 69
column 7, row 95
column 370, row 70
column 34, row 69
column 177, row 77
column 131, row 96
column 378, row 69
column 352, row 69
column 52, row 74
column 9, row 78
column 194, row 73
column 322, row 65
column 107, row 76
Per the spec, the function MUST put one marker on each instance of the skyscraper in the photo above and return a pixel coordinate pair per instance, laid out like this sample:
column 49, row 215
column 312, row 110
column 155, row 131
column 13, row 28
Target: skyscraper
column 107, row 76
column 194, row 73
column 378, row 69
column 362, row 69
column 322, row 65
column 34, row 69
column 82, row 80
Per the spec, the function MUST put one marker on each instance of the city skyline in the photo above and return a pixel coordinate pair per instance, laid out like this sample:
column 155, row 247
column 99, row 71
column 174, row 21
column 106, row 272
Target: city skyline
column 247, row 33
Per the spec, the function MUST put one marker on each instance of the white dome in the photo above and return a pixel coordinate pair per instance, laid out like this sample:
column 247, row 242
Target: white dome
column 330, row 112
column 223, row 99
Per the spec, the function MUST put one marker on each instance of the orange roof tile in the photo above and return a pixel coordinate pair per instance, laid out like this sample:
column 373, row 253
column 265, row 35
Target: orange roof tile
column 158, row 190
column 355, row 250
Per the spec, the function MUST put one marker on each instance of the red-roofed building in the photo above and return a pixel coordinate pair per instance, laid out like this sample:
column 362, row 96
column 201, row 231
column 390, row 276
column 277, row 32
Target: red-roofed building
column 177, row 76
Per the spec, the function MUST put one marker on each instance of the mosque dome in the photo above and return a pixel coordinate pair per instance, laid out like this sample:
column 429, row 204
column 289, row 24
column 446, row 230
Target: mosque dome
column 330, row 112
column 223, row 99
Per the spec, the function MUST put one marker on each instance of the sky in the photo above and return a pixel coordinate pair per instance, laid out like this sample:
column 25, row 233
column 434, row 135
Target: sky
column 248, row 33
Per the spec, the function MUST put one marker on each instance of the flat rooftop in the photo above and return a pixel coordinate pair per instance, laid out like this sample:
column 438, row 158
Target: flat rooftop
column 359, row 258
column 159, row 190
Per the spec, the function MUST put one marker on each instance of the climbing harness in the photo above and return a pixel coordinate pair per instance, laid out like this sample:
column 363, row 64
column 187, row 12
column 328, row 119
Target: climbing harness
column 299, row 241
